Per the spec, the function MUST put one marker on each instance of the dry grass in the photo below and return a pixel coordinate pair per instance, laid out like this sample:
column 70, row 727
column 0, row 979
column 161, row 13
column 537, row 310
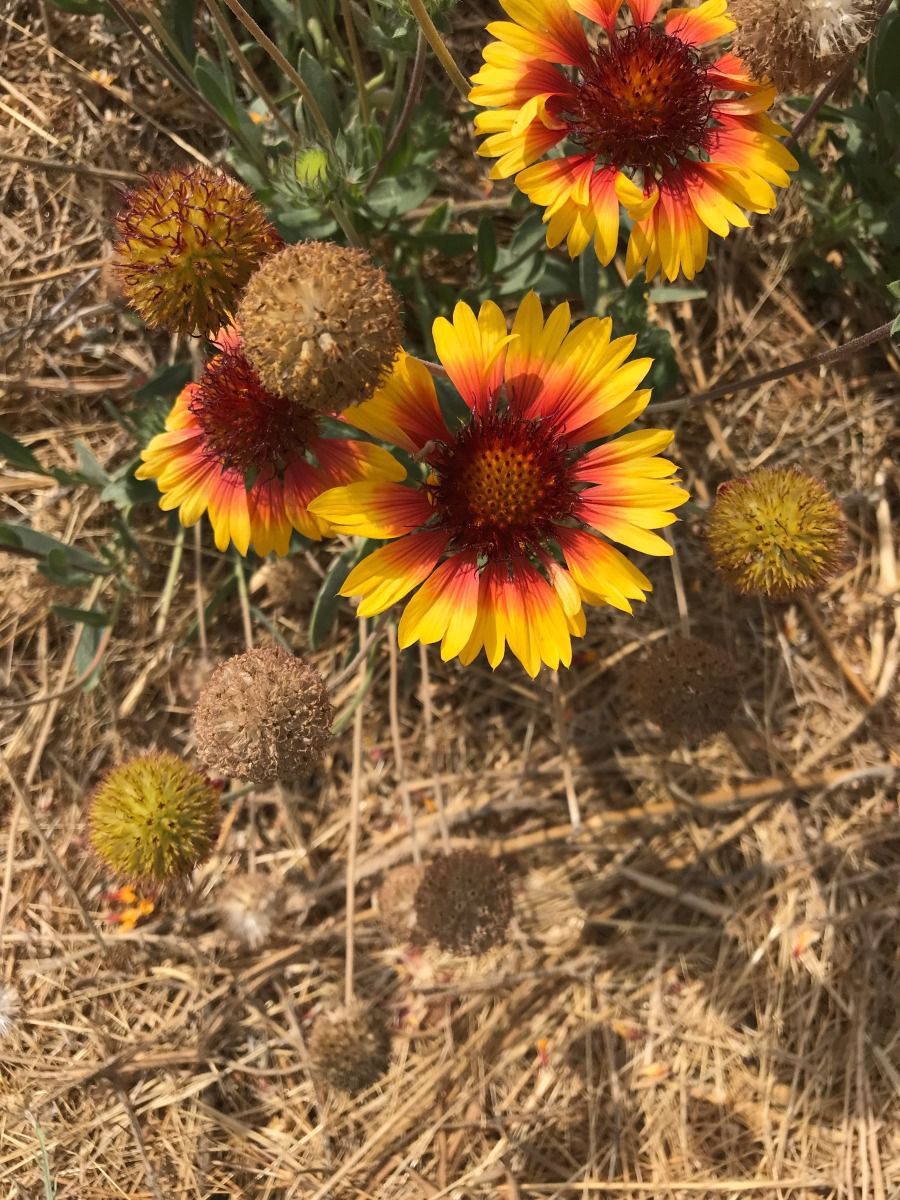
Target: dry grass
column 699, row 996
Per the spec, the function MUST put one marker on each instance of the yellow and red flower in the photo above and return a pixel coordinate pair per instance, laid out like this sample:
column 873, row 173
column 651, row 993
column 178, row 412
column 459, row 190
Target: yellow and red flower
column 682, row 143
column 251, row 459
column 504, row 524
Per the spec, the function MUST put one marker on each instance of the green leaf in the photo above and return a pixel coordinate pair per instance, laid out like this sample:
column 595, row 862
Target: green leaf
column 395, row 197
column 487, row 246
column 671, row 295
column 91, row 471
column 321, row 84
column 179, row 16
column 19, row 456
column 84, row 8
column 87, row 649
column 882, row 73
column 214, row 88
column 324, row 609
column 166, row 382
column 84, row 616
column 50, row 549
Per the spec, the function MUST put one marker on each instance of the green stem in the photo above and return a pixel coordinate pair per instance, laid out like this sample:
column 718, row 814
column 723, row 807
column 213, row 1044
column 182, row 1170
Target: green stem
column 356, row 59
column 436, row 42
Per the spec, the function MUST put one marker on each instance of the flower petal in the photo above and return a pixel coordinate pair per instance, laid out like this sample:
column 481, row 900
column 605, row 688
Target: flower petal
column 445, row 607
column 373, row 508
column 390, row 572
column 403, row 410
column 473, row 351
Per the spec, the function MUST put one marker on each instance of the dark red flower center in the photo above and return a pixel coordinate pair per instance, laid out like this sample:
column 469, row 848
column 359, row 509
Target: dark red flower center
column 502, row 484
column 644, row 102
column 247, row 428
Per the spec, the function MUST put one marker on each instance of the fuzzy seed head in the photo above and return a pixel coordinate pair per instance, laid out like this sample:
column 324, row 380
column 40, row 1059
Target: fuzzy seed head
column 10, row 1008
column 250, row 906
column 799, row 43
column 263, row 716
column 188, row 241
column 687, row 687
column 464, row 902
column 153, row 819
column 396, row 900
column 776, row 533
column 321, row 325
column 350, row 1048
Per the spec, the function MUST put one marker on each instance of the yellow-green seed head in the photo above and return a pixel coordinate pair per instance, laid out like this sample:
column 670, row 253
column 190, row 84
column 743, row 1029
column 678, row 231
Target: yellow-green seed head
column 189, row 240
column 153, row 819
column 776, row 533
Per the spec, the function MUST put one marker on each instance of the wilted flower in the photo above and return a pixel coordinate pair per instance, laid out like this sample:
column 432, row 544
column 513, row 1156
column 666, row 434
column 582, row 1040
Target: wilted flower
column 687, row 686
column 320, row 324
column 798, row 44
column 153, row 819
column 10, row 1008
column 350, row 1048
column 776, row 532
column 502, row 530
column 464, row 902
column 637, row 105
column 263, row 716
column 188, row 242
column 251, row 906
column 243, row 454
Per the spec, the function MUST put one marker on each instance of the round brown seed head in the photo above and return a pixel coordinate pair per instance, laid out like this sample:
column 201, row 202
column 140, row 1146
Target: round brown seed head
column 250, row 907
column 263, row 716
column 321, row 325
column 464, row 902
column 798, row 44
column 687, row 687
column 396, row 900
column 350, row 1048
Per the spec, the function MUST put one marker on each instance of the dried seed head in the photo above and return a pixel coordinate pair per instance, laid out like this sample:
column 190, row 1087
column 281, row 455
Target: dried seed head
column 776, row 533
column 396, row 900
column 263, row 716
column 687, row 686
column 10, row 1008
column 188, row 241
column 350, row 1048
column 798, row 44
column 464, row 902
column 153, row 819
column 250, row 907
column 321, row 325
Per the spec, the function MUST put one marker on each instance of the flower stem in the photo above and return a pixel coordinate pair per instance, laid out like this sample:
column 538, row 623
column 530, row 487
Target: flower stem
column 356, row 59
column 805, row 364
column 355, row 790
column 436, row 42
column 412, row 99
column 279, row 59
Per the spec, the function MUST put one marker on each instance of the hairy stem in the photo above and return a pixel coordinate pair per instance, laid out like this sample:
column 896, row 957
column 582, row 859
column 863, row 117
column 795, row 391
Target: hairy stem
column 436, row 42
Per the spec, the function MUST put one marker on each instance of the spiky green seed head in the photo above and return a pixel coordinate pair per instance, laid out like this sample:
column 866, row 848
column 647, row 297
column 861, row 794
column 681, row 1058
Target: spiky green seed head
column 153, row 819
column 189, row 240
column 776, row 533
column 311, row 169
